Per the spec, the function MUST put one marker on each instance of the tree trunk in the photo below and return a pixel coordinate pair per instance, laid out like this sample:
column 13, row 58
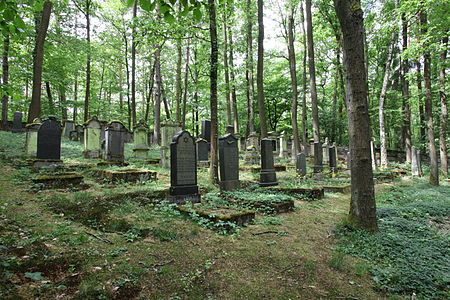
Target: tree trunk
column 405, row 94
column 233, row 85
column 157, row 107
column 293, row 73
column 102, row 77
column 214, row 169
column 384, row 86
column 249, row 70
column 51, row 104
column 75, row 98
column 165, row 102
column 178, row 84
column 151, row 83
column 362, row 206
column 226, row 69
column 434, row 173
column 133, row 66
column 127, row 73
column 312, row 72
column 186, row 77
column 444, row 110
column 421, row 109
column 5, row 78
column 34, row 110
column 88, row 61
column 260, row 71
column 304, row 110
column 120, row 87
column 62, row 101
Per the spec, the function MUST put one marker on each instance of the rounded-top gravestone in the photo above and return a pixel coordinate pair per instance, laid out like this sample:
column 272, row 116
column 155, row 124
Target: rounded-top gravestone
column 49, row 140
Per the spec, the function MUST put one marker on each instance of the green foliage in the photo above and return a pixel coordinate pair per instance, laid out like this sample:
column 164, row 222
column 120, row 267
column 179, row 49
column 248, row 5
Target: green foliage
column 410, row 252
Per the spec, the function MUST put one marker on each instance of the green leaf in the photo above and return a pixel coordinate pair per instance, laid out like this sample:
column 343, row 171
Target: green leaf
column 145, row 4
column 164, row 8
column 19, row 23
column 169, row 18
column 34, row 276
column 197, row 14
column 130, row 3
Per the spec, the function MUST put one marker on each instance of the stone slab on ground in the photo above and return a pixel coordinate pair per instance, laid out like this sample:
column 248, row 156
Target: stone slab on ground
column 105, row 163
column 128, row 175
column 343, row 189
column 240, row 217
column 54, row 181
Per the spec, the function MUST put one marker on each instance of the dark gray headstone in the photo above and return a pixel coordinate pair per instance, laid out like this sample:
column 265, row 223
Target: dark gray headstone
column 202, row 150
column 69, row 126
column 206, row 130
column 49, row 140
column 114, row 141
column 229, row 162
column 80, row 132
column 230, row 129
column 301, row 164
column 332, row 159
column 267, row 175
column 17, row 122
column 183, row 169
column 318, row 167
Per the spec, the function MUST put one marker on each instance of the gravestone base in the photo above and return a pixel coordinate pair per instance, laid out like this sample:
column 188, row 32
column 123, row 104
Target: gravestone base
column 203, row 164
column 90, row 154
column 48, row 164
column 131, row 175
column 141, row 153
column 268, row 178
column 112, row 163
column 183, row 194
column 182, row 199
column 229, row 185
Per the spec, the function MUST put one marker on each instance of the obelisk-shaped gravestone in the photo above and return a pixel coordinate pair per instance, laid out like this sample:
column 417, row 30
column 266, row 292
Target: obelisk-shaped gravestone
column 229, row 163
column 301, row 164
column 183, row 169
column 49, row 140
column 318, row 167
column 268, row 176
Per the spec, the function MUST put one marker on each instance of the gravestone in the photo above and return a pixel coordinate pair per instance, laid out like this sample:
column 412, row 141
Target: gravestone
column 103, row 125
column 202, row 150
column 206, row 130
column 253, row 140
column 31, row 139
column 267, row 176
column 318, row 167
column 229, row 163
column 230, row 129
column 114, row 141
column 183, row 169
column 283, row 153
column 49, row 140
column 416, row 166
column 325, row 152
column 140, row 148
column 69, row 126
column 301, row 164
column 333, row 159
column 273, row 135
column 17, row 122
column 92, row 135
column 168, row 130
column 80, row 132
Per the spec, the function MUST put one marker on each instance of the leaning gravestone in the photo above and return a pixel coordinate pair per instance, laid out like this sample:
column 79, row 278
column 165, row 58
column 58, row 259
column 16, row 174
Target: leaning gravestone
column 229, row 163
column 114, row 141
column 49, row 140
column 183, row 169
column 206, row 130
column 140, row 148
column 416, row 167
column 17, row 122
column 318, row 167
column 92, row 143
column 333, row 159
column 267, row 176
column 31, row 139
column 69, row 126
column 301, row 164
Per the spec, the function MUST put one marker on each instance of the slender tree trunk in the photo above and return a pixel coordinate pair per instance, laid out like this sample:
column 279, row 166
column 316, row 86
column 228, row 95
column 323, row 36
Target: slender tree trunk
column 102, row 77
column 260, row 72
column 214, row 169
column 157, row 108
column 405, row 94
column 293, row 73
column 196, row 75
column 34, row 110
column 225, row 66
column 133, row 66
column 421, row 108
column 186, row 77
column 75, row 98
column 312, row 72
column 249, row 70
column 384, row 87
column 304, row 110
column 51, row 104
column 178, row 84
column 120, row 87
column 5, row 78
column 362, row 206
column 165, row 102
column 127, row 73
column 444, row 110
column 233, row 85
column 88, row 61
column 62, row 101
column 151, row 83
column 434, row 173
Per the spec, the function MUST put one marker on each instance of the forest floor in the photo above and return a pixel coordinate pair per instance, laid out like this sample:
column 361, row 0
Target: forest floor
column 116, row 241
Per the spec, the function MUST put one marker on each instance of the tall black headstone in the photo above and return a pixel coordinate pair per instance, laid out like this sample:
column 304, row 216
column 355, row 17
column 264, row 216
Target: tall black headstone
column 229, row 162
column 183, row 169
column 318, row 167
column 332, row 159
column 206, row 130
column 202, row 150
column 301, row 164
column 267, row 176
column 114, row 141
column 49, row 140
column 17, row 122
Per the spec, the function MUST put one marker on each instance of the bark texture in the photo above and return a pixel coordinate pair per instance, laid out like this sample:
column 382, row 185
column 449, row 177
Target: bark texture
column 214, row 169
column 260, row 72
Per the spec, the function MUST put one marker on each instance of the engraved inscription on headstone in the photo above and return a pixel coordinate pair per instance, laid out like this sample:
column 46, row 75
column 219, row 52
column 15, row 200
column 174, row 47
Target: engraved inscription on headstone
column 49, row 140
column 229, row 162
column 318, row 157
column 186, row 165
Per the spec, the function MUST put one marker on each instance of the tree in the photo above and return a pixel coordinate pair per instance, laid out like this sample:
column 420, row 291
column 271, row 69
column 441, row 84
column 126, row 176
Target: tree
column 249, row 70
column 5, row 77
column 260, row 72
column 362, row 205
column 34, row 110
column 444, row 109
column 214, row 169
